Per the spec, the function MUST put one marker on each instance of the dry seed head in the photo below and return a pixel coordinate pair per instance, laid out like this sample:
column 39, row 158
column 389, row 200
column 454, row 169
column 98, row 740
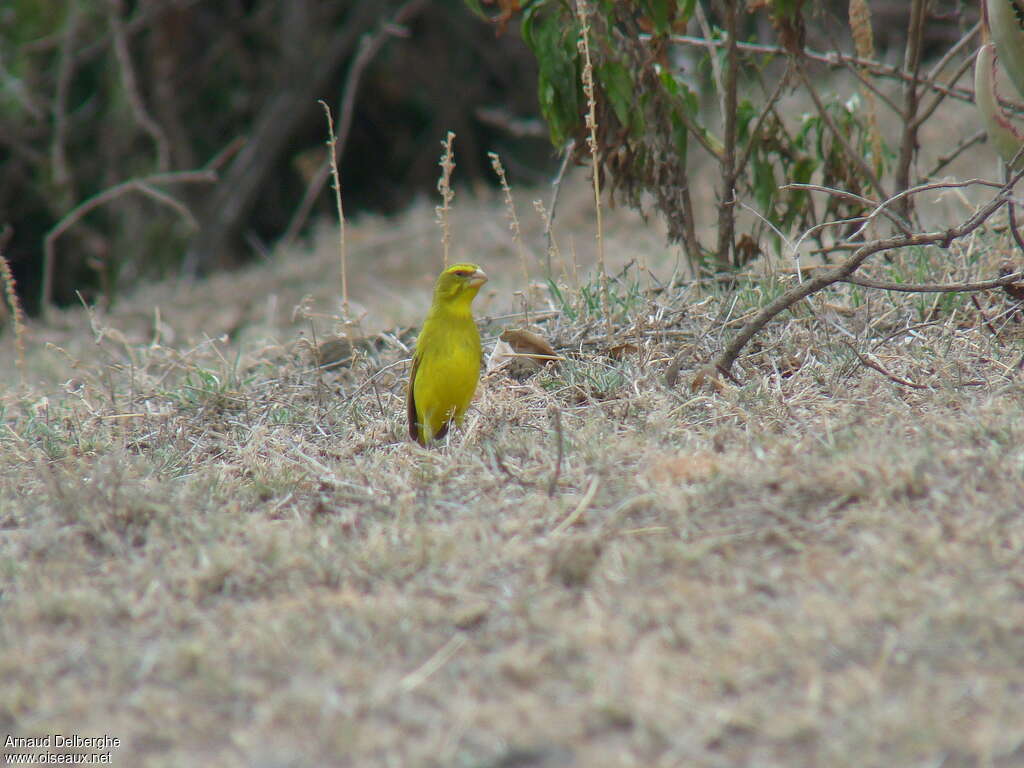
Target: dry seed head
column 513, row 219
column 583, row 13
column 444, row 186
column 864, row 42
column 17, row 315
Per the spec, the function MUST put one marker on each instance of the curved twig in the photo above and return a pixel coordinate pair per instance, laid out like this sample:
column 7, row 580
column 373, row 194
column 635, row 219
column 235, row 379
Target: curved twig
column 984, row 285
column 798, row 292
column 143, row 185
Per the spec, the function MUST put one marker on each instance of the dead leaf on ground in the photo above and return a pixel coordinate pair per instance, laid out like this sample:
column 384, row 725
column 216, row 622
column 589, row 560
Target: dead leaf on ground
column 619, row 351
column 789, row 364
column 520, row 353
column 1015, row 290
column 707, row 375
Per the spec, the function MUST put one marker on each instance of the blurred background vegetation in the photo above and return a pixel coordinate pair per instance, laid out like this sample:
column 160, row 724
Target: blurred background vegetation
column 97, row 93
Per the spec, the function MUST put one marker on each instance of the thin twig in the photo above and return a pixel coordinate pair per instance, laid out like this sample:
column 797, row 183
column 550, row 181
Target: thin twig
column 766, row 110
column 906, row 193
column 131, row 87
column 850, row 197
column 837, row 59
column 143, row 185
column 332, row 163
column 876, row 366
column 866, row 82
column 851, row 154
column 369, row 46
column 985, row 285
column 726, row 206
column 1011, row 214
column 573, row 516
column 936, row 70
column 422, row 673
column 965, row 144
column 65, row 69
column 928, row 111
column 984, row 319
column 911, row 97
column 557, row 185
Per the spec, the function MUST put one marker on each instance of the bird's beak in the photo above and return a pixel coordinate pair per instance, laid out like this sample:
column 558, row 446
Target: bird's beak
column 478, row 278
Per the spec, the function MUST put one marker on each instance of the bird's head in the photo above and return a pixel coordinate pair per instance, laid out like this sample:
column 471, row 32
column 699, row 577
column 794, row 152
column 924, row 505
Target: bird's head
column 459, row 282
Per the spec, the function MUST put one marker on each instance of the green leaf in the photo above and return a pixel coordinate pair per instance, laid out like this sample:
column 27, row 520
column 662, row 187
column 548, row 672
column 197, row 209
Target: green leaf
column 552, row 38
column 660, row 13
column 475, row 7
column 745, row 113
column 764, row 185
column 618, row 87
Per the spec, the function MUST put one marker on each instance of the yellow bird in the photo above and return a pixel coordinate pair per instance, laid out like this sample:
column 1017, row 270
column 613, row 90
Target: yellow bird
column 446, row 365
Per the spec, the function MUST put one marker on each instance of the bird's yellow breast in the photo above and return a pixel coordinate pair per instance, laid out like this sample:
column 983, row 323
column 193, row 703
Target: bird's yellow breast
column 448, row 353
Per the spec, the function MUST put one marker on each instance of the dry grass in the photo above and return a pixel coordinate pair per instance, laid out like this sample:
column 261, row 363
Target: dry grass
column 224, row 557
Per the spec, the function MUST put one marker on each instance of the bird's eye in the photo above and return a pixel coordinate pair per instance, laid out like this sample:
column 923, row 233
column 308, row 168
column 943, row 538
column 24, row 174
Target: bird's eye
column 462, row 273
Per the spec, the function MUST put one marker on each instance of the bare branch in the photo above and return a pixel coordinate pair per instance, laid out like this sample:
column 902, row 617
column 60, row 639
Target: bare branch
column 851, row 154
column 837, row 59
column 726, row 214
column 876, row 366
column 131, row 87
column 850, row 197
column 58, row 151
column 985, row 285
column 768, row 109
column 965, row 144
column 939, row 97
column 143, row 185
column 369, row 46
column 848, row 267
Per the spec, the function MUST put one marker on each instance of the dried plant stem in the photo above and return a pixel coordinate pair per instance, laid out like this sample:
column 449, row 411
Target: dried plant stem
column 332, row 154
column 583, row 13
column 17, row 315
column 726, row 206
column 985, row 285
column 513, row 221
column 369, row 46
column 911, row 98
column 549, row 215
column 444, row 186
column 874, row 365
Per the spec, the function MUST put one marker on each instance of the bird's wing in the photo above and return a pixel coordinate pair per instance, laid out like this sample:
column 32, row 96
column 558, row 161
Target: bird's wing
column 414, row 427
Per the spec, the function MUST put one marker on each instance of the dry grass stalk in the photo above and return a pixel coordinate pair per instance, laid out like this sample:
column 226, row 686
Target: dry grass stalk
column 864, row 42
column 513, row 222
column 552, row 249
column 332, row 145
column 583, row 13
column 444, row 186
column 17, row 315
